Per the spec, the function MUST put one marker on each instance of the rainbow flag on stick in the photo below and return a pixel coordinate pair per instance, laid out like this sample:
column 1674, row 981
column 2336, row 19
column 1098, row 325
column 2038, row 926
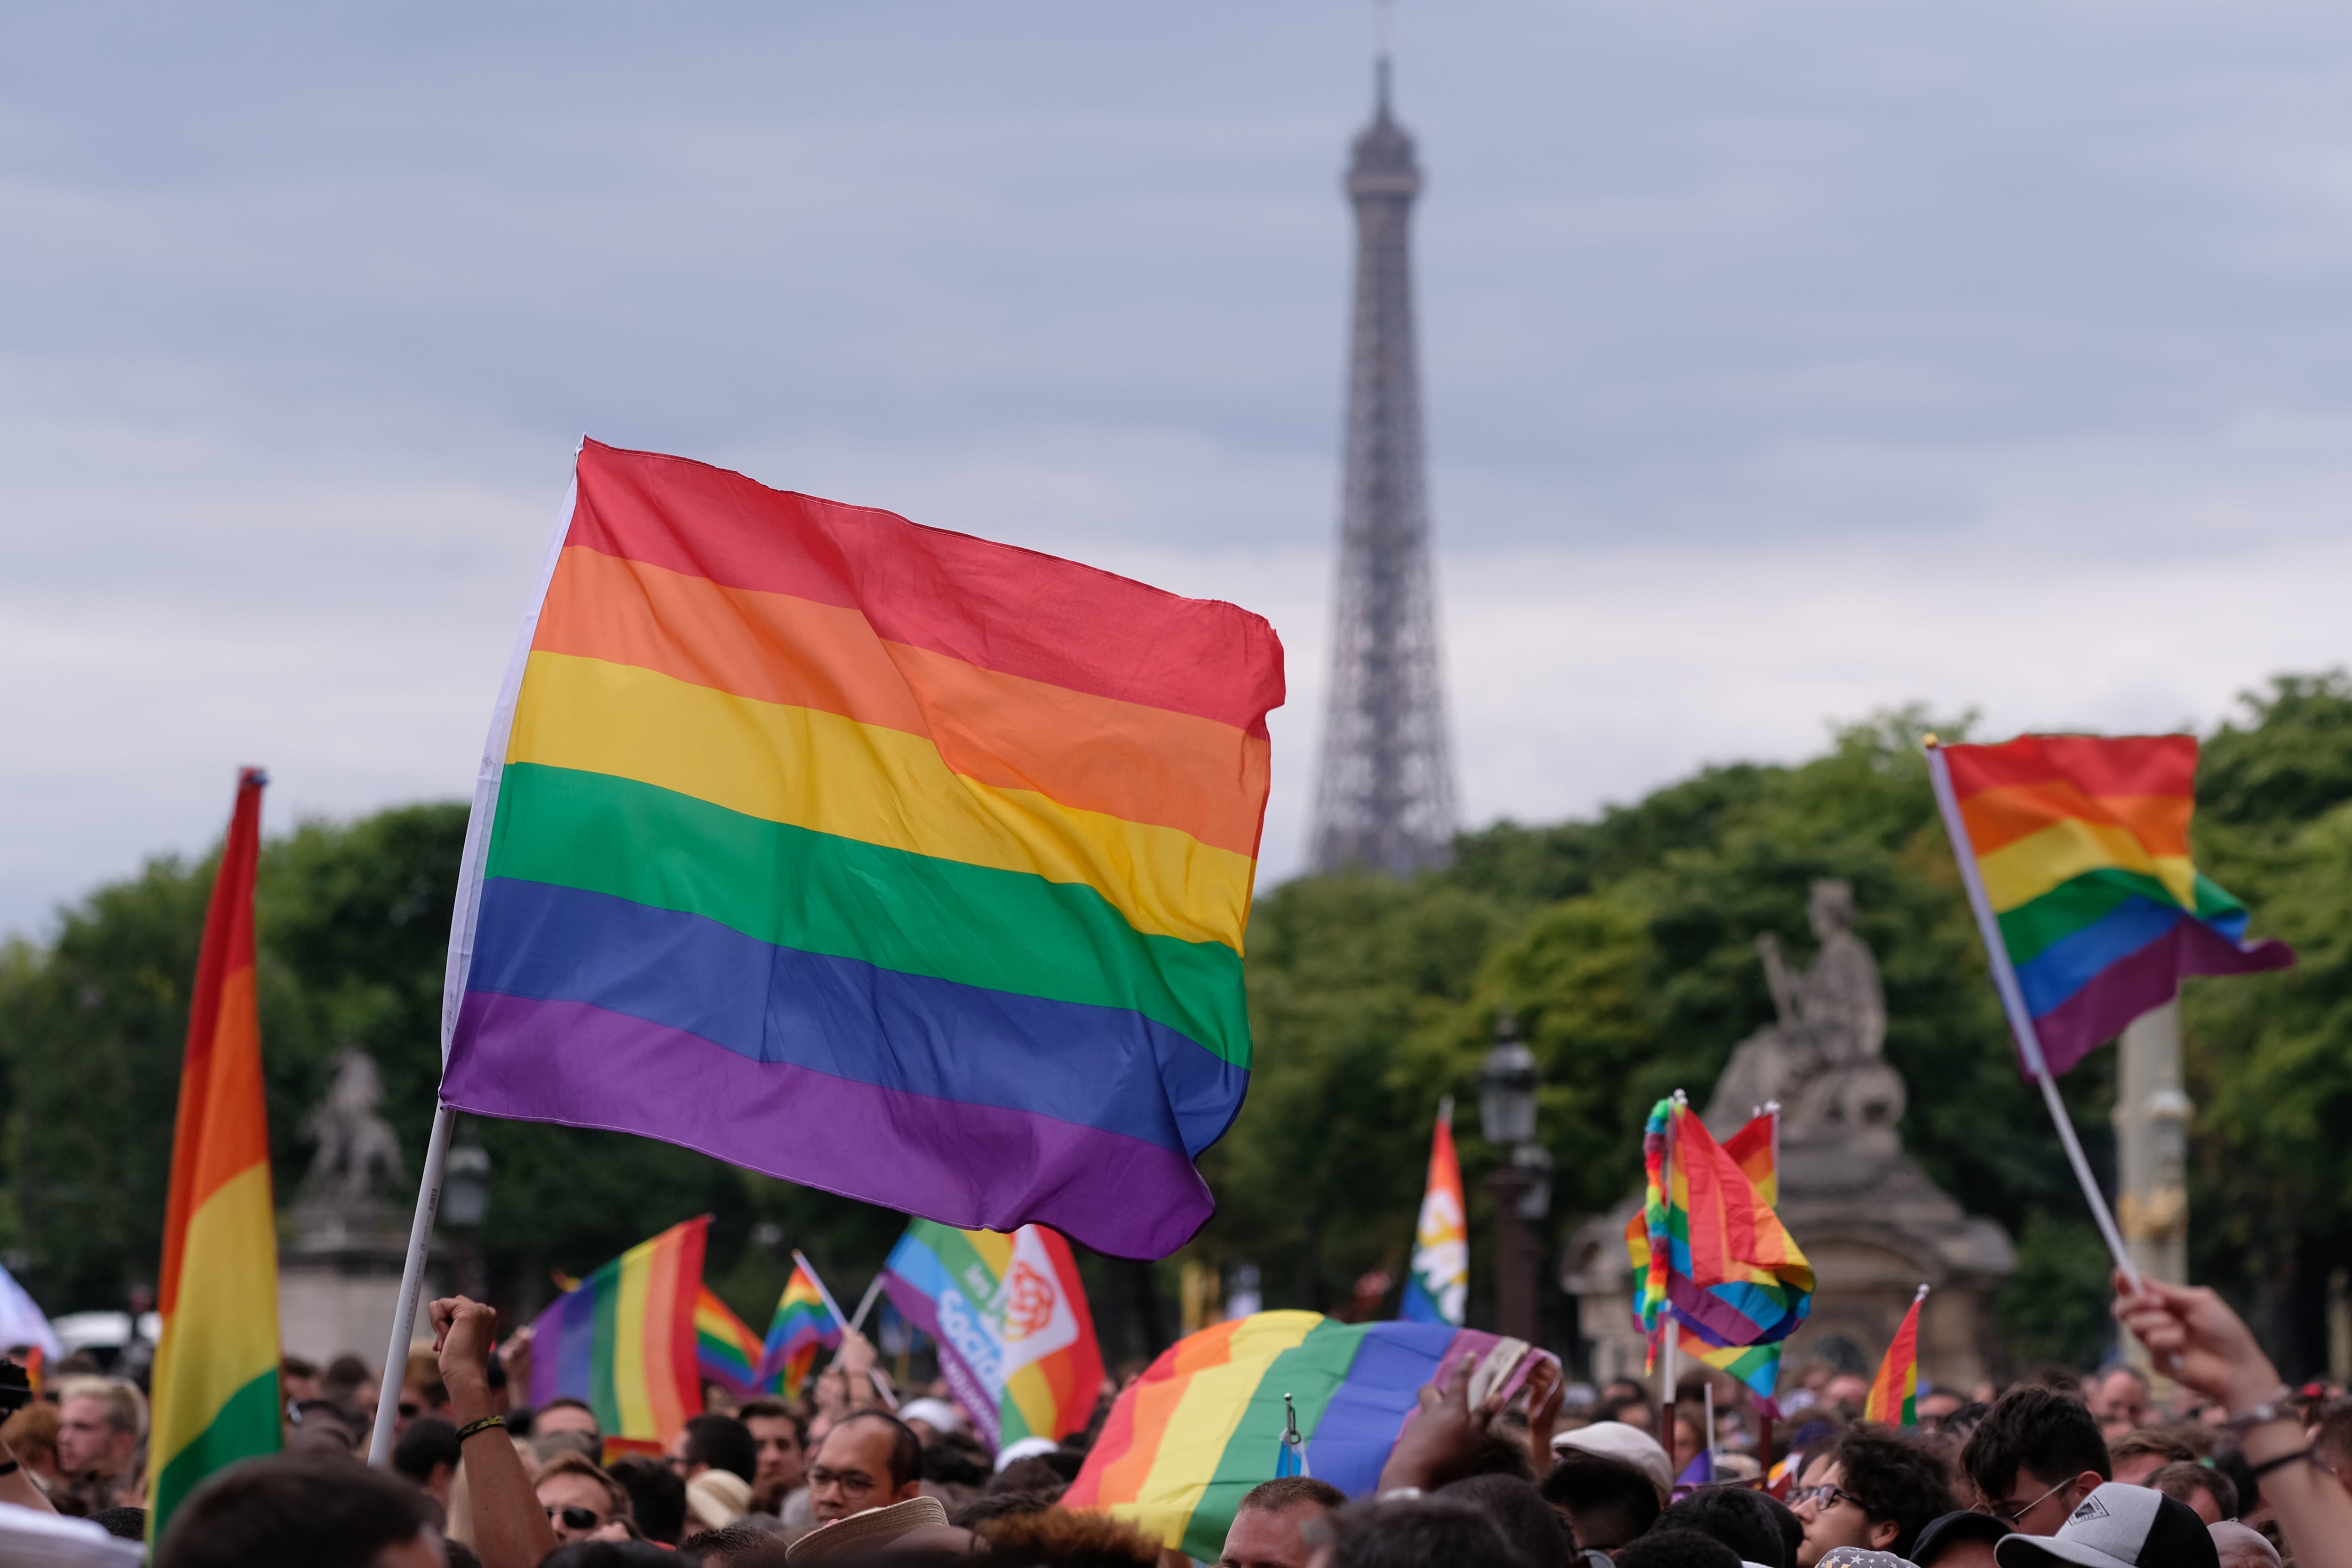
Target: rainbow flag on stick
column 1439, row 1285
column 2074, row 850
column 1718, row 1261
column 725, row 1352
column 1756, row 1150
column 1894, row 1391
column 215, row 1383
column 1205, row 1424
column 625, row 1342
column 1016, row 1340
column 802, row 1326
column 869, row 856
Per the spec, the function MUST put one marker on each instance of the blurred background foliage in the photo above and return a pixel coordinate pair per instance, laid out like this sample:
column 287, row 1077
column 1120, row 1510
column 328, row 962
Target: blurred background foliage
column 1623, row 946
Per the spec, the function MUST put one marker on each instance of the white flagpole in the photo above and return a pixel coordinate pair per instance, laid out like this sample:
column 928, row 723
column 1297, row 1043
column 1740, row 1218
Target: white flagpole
column 818, row 1280
column 412, row 1286
column 1669, row 1329
column 865, row 1305
column 2013, row 1002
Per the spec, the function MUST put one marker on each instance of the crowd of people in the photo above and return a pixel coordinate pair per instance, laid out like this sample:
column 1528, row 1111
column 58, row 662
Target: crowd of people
column 2229, row 1470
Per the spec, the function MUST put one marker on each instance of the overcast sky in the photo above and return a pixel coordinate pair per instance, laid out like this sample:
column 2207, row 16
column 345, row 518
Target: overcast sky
column 1784, row 363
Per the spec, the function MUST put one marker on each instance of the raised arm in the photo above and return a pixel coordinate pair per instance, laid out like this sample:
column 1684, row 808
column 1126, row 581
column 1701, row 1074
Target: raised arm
column 510, row 1530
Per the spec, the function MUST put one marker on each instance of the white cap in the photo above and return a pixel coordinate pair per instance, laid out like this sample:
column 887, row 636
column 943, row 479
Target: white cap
column 1616, row 1440
column 937, row 1414
column 2117, row 1526
column 1023, row 1448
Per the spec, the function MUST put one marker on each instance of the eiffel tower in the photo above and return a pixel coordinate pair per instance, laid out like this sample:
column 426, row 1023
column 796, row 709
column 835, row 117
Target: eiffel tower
column 1385, row 790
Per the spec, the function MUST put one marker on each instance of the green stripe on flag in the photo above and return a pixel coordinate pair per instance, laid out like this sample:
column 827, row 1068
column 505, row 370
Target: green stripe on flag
column 247, row 1426
column 1313, row 1371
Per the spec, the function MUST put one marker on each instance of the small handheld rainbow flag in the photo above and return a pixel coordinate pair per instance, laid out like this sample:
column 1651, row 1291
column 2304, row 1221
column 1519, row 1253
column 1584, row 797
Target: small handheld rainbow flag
column 625, row 1342
column 1755, row 1149
column 802, row 1326
column 1016, row 1340
column 1439, row 1285
column 725, row 1352
column 1894, row 1391
column 2075, row 850
column 1719, row 1263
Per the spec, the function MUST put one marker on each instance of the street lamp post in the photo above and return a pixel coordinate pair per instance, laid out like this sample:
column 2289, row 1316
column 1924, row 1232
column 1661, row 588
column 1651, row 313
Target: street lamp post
column 465, row 1203
column 1521, row 1185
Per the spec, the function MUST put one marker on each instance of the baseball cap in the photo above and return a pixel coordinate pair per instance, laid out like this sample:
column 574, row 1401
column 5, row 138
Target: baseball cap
column 2117, row 1526
column 1944, row 1530
column 1616, row 1440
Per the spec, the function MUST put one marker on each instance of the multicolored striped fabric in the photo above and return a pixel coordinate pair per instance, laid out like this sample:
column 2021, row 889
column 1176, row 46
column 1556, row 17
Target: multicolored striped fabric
column 216, row 1382
column 725, row 1352
column 625, row 1342
column 870, row 856
column 1894, row 1391
column 803, row 1326
column 2079, row 848
column 1755, row 1149
column 1439, row 1286
column 1719, row 1262
column 1016, row 1340
column 1189, row 1440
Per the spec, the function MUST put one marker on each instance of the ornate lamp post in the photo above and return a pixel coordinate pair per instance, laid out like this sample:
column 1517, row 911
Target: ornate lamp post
column 1522, row 1186
column 465, row 1203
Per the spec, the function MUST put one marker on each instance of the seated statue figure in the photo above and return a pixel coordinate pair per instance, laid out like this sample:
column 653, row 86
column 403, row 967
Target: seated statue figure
column 1820, row 1061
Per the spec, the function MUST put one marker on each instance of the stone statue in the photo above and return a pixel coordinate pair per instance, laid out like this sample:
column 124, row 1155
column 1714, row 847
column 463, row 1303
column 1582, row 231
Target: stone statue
column 1822, row 1060
column 357, row 1148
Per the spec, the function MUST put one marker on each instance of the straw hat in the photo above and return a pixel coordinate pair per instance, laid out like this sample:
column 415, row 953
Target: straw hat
column 717, row 1499
column 872, row 1528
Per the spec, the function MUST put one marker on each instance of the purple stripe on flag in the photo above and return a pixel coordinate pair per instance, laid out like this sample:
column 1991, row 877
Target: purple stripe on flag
column 974, row 1166
column 2141, row 981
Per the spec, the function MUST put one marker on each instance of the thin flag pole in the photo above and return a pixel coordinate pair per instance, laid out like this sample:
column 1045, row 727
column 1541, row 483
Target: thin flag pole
column 873, row 1291
column 2013, row 1002
column 412, row 1286
column 1668, row 1329
column 818, row 1280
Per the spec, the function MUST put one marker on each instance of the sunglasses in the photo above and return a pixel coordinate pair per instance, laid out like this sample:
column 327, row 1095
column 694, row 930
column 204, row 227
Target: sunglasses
column 575, row 1518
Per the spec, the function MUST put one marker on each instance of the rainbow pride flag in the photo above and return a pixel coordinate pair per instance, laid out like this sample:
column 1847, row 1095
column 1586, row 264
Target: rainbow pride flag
column 1439, row 1285
column 871, row 856
column 802, row 1326
column 725, row 1352
column 625, row 1342
column 1016, row 1340
column 1756, row 1150
column 1718, row 1262
column 1205, row 1424
column 216, row 1382
column 2078, row 850
column 1894, row 1391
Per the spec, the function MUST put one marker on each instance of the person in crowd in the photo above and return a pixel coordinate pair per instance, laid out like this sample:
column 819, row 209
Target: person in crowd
column 717, row 1499
column 421, row 1392
column 324, row 1427
column 2034, row 1458
column 350, row 1383
column 1876, row 1490
column 122, row 1523
column 1677, row 1549
column 2241, row 1546
column 566, row 1415
column 321, row 1513
column 1616, row 1440
column 1270, row 1527
column 1740, row 1518
column 656, row 1497
column 714, row 1442
column 101, row 1424
column 2115, row 1526
column 869, row 1459
column 427, row 1456
column 2135, row 1455
column 736, row 1546
column 910, row 1526
column 930, row 1418
column 1538, row 1535
column 1939, row 1406
column 609, row 1554
column 1607, row 1502
column 1961, row 1539
column 299, row 1380
column 1411, row 1532
column 31, row 1436
column 780, row 1442
column 2332, row 1438
column 2119, row 1399
column 2211, row 1496
column 578, row 1496
column 510, row 1526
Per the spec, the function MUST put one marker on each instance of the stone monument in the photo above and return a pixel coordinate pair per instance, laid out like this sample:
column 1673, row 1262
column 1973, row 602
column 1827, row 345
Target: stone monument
column 1874, row 1226
column 342, row 1245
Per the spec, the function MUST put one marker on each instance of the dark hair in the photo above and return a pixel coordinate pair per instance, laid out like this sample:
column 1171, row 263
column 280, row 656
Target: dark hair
column 657, row 1496
column 1001, row 1505
column 460, row 1556
column 1677, row 1549
column 607, row 1554
column 1412, row 1532
column 1792, row 1528
column 1741, row 1519
column 906, row 1448
column 429, row 1441
column 723, row 1443
column 130, row 1523
column 2181, row 1481
column 1896, row 1477
column 294, row 1366
column 774, row 1410
column 565, row 1402
column 1062, row 1538
column 952, row 1464
column 2034, row 1430
column 1609, row 1502
column 1499, row 1454
column 2142, row 1441
column 737, row 1542
column 320, row 1512
column 1030, row 1475
column 2231, row 1460
column 1532, row 1526
column 1285, row 1492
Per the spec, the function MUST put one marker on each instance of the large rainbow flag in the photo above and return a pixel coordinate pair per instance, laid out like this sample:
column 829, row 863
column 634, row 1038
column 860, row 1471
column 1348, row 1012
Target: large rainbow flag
column 802, row 1326
column 1439, row 1285
column 726, row 1351
column 1016, row 1340
column 871, row 856
column 1756, row 1150
column 624, row 1340
column 1189, row 1440
column 1719, row 1263
column 1894, row 1391
column 2078, row 848
column 216, row 1382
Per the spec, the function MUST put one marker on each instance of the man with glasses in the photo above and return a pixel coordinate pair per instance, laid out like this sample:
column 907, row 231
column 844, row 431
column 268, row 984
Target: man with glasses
column 580, row 1499
column 1875, row 1490
column 870, row 1458
column 2035, row 1457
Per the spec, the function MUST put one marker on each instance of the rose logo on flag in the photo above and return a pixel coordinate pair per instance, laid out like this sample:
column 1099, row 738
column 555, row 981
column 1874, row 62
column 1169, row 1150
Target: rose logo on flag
column 1028, row 1301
